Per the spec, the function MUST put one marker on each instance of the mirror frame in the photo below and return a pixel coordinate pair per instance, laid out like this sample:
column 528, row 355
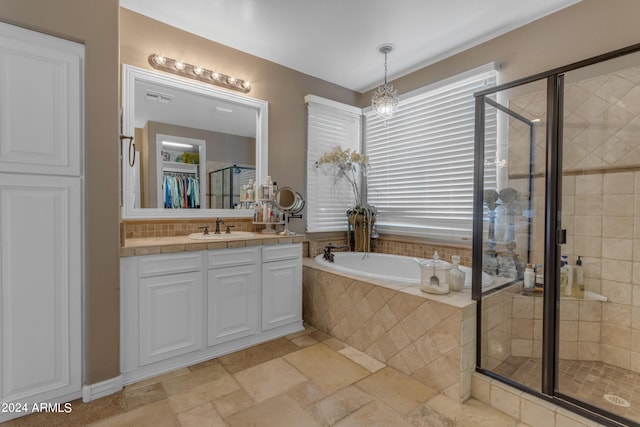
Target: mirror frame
column 130, row 75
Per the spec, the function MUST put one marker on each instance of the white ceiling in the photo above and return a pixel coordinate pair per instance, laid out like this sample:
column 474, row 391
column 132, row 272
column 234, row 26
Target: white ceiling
column 338, row 40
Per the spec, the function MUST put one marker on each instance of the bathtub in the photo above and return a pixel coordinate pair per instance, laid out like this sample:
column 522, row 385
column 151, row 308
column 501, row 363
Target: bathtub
column 393, row 268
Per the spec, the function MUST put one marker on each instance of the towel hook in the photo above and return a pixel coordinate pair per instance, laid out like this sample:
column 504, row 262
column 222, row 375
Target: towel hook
column 132, row 148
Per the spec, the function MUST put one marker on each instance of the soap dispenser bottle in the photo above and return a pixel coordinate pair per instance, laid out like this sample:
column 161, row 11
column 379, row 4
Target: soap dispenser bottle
column 566, row 278
column 456, row 276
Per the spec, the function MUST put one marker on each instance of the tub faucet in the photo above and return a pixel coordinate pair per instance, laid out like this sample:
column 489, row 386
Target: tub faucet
column 327, row 251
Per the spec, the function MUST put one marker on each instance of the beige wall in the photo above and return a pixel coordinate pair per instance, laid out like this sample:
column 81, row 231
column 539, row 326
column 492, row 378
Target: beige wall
column 96, row 25
column 587, row 29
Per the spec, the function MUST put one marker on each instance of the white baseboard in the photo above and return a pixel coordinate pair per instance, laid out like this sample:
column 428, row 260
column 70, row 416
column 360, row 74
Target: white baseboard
column 105, row 388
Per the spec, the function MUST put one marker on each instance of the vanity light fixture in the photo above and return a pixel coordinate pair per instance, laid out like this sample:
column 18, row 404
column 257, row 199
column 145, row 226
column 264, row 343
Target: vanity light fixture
column 197, row 72
column 385, row 99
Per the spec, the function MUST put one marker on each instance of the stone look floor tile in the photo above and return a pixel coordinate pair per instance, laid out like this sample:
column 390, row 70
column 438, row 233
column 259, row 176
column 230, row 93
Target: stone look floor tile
column 243, row 359
column 233, row 402
column 307, row 393
column 471, row 413
column 187, row 382
column 398, row 391
column 304, row 341
column 203, row 393
column 137, row 397
column 329, row 370
column 362, row 359
column 339, row 405
column 280, row 411
column 201, row 416
column 305, row 387
column 424, row 416
column 158, row 414
column 374, row 414
column 269, row 379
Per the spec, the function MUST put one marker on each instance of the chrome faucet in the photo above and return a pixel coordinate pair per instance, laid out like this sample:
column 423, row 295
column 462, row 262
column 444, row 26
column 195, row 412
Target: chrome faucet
column 218, row 222
column 327, row 251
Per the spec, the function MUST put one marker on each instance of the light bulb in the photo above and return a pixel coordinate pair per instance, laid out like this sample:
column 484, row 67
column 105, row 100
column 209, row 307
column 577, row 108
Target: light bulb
column 246, row 85
column 231, row 80
column 179, row 65
column 197, row 70
column 159, row 59
column 215, row 76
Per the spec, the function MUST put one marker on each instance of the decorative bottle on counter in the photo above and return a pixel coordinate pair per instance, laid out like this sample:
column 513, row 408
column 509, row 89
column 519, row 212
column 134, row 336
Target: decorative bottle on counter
column 456, row 276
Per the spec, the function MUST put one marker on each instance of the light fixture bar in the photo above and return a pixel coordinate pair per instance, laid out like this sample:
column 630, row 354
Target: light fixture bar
column 196, row 72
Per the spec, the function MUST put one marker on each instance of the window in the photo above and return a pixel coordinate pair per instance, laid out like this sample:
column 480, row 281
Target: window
column 329, row 124
column 422, row 160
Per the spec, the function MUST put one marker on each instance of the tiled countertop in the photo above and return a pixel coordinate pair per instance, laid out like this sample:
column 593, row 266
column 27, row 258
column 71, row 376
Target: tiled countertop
column 158, row 245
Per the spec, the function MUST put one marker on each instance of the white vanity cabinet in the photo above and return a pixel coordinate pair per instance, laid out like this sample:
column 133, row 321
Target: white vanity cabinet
column 183, row 308
column 281, row 290
column 233, row 294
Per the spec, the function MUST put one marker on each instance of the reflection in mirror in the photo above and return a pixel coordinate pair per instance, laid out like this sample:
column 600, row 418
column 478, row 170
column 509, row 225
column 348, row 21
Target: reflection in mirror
column 185, row 134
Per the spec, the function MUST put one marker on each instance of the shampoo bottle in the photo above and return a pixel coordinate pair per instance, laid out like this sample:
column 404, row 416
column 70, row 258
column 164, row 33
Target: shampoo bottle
column 566, row 278
column 578, row 282
column 529, row 278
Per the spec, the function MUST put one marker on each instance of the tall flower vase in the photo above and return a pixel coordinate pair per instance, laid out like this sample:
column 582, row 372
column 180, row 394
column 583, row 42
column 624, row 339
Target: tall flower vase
column 360, row 228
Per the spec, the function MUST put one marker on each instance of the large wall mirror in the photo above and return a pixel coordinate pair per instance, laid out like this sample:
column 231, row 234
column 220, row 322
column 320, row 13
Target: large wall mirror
column 190, row 141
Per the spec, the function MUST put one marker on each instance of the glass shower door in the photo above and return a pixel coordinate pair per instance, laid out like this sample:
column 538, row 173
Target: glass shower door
column 599, row 327
column 513, row 195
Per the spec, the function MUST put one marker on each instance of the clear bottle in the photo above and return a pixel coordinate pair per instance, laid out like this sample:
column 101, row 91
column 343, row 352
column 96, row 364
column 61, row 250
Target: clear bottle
column 578, row 282
column 529, row 278
column 456, row 276
column 563, row 276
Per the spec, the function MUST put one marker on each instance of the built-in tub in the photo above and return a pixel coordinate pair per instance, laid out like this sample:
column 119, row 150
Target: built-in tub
column 393, row 268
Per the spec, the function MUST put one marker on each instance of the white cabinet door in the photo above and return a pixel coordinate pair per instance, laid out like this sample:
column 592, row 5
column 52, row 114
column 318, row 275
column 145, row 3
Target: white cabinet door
column 233, row 303
column 41, row 103
column 170, row 316
column 40, row 288
column 281, row 293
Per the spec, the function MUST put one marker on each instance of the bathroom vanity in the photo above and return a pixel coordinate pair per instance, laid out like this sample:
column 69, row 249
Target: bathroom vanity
column 182, row 308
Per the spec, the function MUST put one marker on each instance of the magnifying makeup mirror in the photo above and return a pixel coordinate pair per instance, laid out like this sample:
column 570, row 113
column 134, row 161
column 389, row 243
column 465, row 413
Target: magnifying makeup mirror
column 290, row 203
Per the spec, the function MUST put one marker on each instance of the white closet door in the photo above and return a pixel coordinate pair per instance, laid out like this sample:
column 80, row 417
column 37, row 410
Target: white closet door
column 40, row 288
column 40, row 103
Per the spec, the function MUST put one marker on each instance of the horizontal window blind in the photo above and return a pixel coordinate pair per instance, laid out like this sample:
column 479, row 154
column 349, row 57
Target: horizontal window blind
column 421, row 161
column 329, row 125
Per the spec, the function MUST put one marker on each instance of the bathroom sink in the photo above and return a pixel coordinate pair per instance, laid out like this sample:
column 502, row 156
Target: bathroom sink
column 222, row 236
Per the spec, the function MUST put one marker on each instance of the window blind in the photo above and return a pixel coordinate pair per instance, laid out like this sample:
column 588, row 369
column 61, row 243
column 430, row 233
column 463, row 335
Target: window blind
column 329, row 124
column 422, row 160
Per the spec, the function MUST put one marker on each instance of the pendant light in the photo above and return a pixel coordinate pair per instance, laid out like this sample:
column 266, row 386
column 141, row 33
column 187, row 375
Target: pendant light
column 385, row 99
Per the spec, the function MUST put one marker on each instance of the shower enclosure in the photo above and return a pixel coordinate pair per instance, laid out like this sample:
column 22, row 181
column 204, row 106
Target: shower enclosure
column 558, row 179
column 225, row 185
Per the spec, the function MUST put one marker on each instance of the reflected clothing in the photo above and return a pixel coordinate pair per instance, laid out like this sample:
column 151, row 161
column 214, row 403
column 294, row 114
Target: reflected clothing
column 181, row 192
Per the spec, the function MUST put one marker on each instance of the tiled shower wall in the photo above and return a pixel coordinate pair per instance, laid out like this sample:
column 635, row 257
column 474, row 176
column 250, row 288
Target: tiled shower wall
column 601, row 200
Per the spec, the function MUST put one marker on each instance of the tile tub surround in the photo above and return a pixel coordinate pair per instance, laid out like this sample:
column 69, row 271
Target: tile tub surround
column 428, row 337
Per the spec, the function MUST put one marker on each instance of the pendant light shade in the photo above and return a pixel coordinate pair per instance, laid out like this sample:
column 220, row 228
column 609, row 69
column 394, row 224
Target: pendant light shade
column 385, row 99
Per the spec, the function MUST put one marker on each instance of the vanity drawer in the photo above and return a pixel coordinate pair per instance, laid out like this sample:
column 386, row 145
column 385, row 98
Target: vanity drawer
column 232, row 257
column 281, row 252
column 158, row 265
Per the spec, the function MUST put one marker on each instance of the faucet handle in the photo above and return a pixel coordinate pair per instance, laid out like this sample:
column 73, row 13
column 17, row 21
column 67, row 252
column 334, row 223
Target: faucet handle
column 228, row 231
column 206, row 229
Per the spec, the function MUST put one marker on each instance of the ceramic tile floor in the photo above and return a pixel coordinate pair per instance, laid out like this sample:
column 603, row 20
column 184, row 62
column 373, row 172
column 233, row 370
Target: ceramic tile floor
column 306, row 379
column 587, row 381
